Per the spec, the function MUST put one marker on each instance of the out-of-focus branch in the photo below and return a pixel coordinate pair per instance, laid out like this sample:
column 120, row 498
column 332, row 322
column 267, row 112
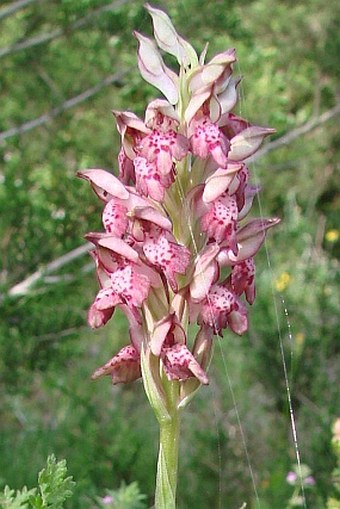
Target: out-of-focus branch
column 70, row 103
column 289, row 137
column 14, row 7
column 48, row 36
column 25, row 286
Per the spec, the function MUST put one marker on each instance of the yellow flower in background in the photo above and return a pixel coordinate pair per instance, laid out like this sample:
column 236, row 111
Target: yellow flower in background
column 282, row 282
column 300, row 339
column 332, row 235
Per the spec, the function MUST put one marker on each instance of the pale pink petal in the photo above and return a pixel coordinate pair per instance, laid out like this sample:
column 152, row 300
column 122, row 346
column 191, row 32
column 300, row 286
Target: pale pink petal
column 205, row 273
column 228, row 97
column 219, row 181
column 249, row 240
column 159, row 333
column 153, row 215
column 247, row 142
column 161, row 115
column 119, row 247
column 153, row 69
column 249, row 194
column 126, row 169
column 123, row 367
column 104, row 184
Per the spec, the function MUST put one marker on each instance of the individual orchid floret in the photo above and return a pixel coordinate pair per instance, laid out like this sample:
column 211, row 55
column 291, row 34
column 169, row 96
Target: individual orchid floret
column 124, row 367
column 242, row 279
column 221, row 309
column 149, row 182
column 180, row 364
column 131, row 286
column 166, row 332
column 220, row 221
column 168, row 256
column 162, row 148
column 207, row 139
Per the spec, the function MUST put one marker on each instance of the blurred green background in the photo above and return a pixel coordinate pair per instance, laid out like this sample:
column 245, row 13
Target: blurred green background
column 64, row 64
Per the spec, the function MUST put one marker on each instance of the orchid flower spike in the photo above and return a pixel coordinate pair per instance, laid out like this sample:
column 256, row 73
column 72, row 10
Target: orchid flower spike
column 176, row 248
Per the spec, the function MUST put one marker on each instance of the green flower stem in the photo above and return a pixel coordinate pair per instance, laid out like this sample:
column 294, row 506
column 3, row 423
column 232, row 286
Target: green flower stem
column 167, row 466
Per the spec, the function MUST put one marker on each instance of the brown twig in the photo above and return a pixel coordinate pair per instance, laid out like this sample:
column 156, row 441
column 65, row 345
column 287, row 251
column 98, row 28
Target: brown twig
column 70, row 103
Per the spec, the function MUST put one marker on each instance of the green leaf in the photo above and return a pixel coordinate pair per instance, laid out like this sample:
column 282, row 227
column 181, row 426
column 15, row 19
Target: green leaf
column 54, row 486
column 9, row 499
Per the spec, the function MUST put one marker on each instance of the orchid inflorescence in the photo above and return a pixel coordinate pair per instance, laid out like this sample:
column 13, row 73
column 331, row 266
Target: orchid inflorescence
column 176, row 254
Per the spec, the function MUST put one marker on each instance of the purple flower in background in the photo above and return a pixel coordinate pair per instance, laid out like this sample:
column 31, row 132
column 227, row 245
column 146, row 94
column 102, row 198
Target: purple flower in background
column 291, row 478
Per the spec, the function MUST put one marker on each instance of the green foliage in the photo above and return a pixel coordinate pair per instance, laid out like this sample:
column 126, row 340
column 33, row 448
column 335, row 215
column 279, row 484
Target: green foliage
column 53, row 489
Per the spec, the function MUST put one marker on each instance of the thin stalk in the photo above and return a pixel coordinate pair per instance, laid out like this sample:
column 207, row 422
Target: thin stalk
column 167, row 465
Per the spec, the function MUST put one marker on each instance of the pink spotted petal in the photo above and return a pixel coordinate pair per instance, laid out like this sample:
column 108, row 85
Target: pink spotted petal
column 148, row 180
column 106, row 299
column 161, row 147
column 222, row 309
column 123, row 367
column 168, row 256
column 220, row 221
column 207, row 139
column 104, row 184
column 180, row 364
column 115, row 220
column 242, row 279
column 131, row 286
